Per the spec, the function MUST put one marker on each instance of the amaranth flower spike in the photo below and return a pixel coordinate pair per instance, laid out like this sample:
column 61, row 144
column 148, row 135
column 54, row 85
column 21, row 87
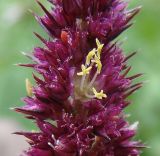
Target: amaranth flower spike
column 82, row 86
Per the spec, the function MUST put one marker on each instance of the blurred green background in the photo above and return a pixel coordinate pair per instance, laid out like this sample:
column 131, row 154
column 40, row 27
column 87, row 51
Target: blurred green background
column 16, row 27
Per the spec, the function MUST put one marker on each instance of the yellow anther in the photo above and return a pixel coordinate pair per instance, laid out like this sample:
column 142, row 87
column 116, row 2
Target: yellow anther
column 90, row 55
column 85, row 70
column 98, row 64
column 29, row 87
column 99, row 95
column 99, row 48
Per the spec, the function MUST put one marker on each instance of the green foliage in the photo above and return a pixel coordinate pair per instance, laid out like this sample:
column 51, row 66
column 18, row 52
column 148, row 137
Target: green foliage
column 16, row 27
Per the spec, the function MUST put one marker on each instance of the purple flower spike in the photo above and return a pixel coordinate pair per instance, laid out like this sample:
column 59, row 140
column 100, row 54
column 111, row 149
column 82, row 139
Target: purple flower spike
column 82, row 84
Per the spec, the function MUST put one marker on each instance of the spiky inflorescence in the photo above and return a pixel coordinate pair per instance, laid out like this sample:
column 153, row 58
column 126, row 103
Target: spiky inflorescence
column 81, row 90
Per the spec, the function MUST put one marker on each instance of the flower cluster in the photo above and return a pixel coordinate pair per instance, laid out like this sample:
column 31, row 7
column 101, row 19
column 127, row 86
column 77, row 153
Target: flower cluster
column 81, row 82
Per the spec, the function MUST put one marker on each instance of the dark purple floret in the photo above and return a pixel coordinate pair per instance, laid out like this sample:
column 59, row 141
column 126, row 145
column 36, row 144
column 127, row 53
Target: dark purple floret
column 82, row 82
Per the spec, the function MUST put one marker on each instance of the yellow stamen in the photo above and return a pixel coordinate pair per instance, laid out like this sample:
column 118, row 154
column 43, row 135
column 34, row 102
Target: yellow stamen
column 99, row 48
column 98, row 64
column 99, row 95
column 92, row 59
column 90, row 55
column 85, row 70
column 29, row 87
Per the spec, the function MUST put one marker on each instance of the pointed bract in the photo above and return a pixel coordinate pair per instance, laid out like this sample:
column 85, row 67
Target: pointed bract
column 82, row 82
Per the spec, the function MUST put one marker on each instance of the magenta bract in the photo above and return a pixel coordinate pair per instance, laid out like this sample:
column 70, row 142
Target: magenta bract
column 82, row 85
